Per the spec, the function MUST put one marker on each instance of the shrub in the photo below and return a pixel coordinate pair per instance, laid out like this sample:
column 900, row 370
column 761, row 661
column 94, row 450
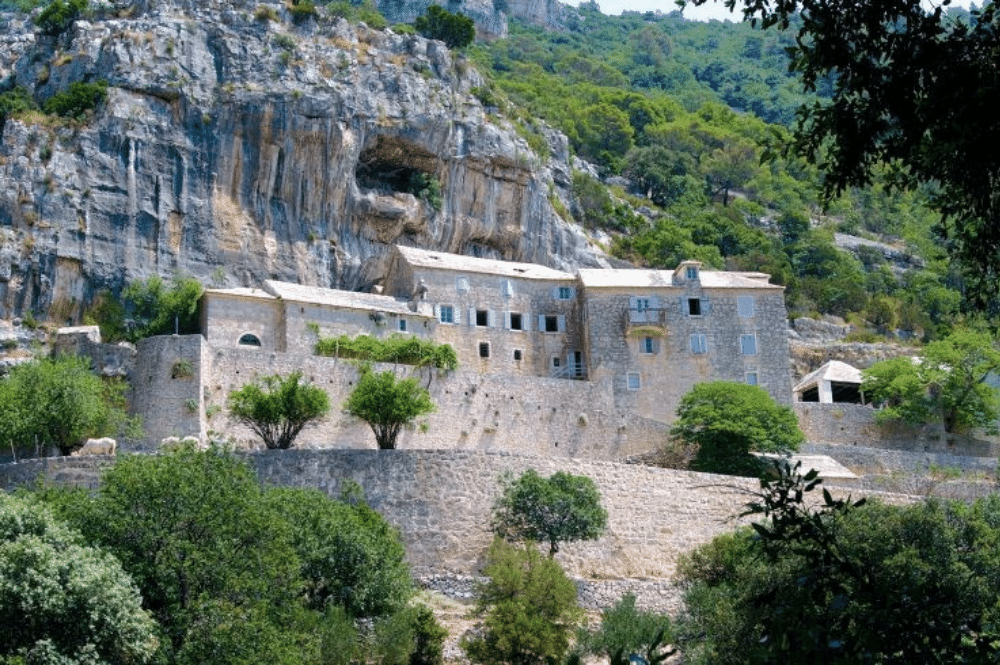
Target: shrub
column 58, row 16
column 395, row 349
column 77, row 100
column 278, row 409
column 303, row 10
column 455, row 30
column 265, row 14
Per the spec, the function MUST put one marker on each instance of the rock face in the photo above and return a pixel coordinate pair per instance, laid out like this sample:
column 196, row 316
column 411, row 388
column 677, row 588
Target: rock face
column 488, row 15
column 235, row 149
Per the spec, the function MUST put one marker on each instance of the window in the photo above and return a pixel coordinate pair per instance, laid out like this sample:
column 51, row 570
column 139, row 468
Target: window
column 694, row 306
column 748, row 344
column 642, row 304
column 751, row 378
column 518, row 354
column 446, row 314
column 643, row 309
column 565, row 292
column 648, row 345
column 555, row 361
column 633, row 381
column 691, row 272
column 484, row 349
column 745, row 306
column 698, row 343
column 462, row 284
column 250, row 339
column 551, row 322
column 482, row 317
column 402, row 325
column 515, row 321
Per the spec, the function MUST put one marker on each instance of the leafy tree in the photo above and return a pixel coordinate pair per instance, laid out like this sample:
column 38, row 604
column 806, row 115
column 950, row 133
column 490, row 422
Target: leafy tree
column 62, row 601
column 349, row 555
column 153, row 307
column 528, row 608
column 77, row 99
column 455, row 30
column 58, row 16
column 947, row 385
column 558, row 509
column 727, row 420
column 387, row 404
column 626, row 630
column 60, row 402
column 846, row 582
column 892, row 103
column 278, row 409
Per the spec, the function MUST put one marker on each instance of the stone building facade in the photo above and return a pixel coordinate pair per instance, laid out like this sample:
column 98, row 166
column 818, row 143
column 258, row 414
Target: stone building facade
column 591, row 364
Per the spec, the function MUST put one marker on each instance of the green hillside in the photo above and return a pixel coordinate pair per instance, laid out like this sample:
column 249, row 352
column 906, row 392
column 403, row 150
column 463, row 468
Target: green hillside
column 685, row 111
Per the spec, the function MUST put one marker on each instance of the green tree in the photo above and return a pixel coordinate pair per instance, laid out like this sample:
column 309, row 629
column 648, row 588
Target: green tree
column 626, row 630
column 455, row 30
column 727, row 420
column 948, row 384
column 558, row 509
column 387, row 404
column 60, row 402
column 349, row 555
column 846, row 582
column 62, row 601
column 154, row 307
column 58, row 16
column 278, row 409
column 77, row 99
column 528, row 609
column 892, row 104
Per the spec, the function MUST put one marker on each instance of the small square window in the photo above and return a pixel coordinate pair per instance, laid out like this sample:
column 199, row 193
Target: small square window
column 518, row 354
column 462, row 284
column 641, row 304
column 692, row 272
column 633, row 381
column 751, row 378
column 699, row 344
column 484, row 349
column 648, row 345
column 748, row 345
column 402, row 325
column 446, row 314
column 482, row 317
column 516, row 322
column 565, row 293
column 694, row 306
column 551, row 323
column 555, row 361
column 745, row 306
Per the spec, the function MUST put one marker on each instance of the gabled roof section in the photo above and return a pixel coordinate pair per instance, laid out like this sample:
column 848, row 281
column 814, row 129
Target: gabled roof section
column 422, row 258
column 240, row 292
column 834, row 371
column 595, row 278
column 315, row 295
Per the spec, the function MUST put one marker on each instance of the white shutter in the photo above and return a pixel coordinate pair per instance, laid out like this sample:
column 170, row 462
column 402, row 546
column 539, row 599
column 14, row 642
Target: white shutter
column 572, row 292
column 706, row 306
column 437, row 312
column 541, row 323
column 555, row 293
column 634, row 315
column 491, row 319
column 561, row 322
column 506, row 320
column 526, row 321
column 472, row 316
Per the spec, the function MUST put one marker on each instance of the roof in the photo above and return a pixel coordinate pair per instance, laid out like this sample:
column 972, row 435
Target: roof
column 316, row 295
column 444, row 261
column 649, row 279
column 833, row 370
column 241, row 292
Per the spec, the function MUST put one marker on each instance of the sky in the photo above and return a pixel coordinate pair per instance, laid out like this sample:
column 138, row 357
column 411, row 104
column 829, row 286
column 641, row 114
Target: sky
column 707, row 12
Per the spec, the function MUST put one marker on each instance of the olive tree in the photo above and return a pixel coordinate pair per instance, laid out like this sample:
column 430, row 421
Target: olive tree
column 62, row 601
column 727, row 420
column 387, row 404
column 552, row 510
column 277, row 409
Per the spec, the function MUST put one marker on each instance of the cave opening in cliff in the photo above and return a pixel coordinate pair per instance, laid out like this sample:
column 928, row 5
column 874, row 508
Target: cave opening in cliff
column 392, row 164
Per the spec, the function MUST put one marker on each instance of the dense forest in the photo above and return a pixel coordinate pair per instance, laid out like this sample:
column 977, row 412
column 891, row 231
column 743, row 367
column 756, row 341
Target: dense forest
column 683, row 123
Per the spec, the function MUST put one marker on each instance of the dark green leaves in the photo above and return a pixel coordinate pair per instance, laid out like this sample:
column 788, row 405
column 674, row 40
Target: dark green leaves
column 387, row 404
column 278, row 409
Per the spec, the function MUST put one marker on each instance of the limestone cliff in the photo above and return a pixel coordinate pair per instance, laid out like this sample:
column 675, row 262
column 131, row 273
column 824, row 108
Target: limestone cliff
column 236, row 149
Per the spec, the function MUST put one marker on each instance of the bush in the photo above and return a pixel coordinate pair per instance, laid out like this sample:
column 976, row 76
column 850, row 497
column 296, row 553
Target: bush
column 15, row 101
column 528, row 608
column 455, row 30
column 59, row 16
column 387, row 404
column 77, row 100
column 625, row 630
column 302, row 11
column 152, row 307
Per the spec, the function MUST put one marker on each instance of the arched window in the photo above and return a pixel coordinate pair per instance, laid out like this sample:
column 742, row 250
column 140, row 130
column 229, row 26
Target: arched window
column 249, row 339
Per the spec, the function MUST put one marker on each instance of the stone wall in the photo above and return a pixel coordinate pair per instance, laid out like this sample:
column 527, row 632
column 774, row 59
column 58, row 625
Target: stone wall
column 486, row 412
column 854, row 425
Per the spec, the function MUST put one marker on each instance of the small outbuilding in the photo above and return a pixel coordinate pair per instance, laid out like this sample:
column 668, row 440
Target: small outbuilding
column 835, row 382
